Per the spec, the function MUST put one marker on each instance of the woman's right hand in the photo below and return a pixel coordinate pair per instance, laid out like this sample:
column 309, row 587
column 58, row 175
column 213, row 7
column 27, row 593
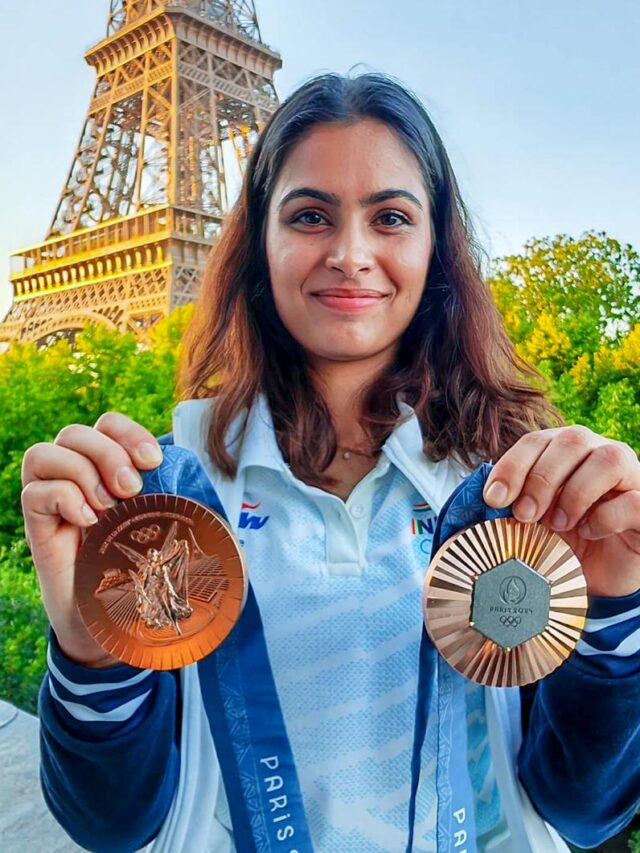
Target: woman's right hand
column 65, row 483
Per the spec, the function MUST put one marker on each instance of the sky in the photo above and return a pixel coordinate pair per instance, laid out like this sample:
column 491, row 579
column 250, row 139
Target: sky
column 537, row 102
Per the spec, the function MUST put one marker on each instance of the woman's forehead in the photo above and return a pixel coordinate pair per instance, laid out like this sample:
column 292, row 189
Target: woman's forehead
column 367, row 154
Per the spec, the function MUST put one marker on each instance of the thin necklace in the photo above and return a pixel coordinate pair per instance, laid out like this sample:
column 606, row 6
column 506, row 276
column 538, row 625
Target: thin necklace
column 348, row 452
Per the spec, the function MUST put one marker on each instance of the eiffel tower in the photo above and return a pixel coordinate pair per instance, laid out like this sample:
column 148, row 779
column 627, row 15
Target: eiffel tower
column 183, row 89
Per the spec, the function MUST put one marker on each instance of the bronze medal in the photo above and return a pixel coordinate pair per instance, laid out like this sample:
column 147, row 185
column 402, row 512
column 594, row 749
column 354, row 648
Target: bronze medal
column 505, row 602
column 160, row 581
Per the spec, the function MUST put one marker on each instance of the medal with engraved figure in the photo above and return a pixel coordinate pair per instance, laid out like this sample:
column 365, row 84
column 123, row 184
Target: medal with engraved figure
column 160, row 581
column 505, row 602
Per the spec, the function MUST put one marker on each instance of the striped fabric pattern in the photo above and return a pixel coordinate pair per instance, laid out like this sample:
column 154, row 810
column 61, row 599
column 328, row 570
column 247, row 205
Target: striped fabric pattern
column 98, row 702
column 610, row 643
column 344, row 651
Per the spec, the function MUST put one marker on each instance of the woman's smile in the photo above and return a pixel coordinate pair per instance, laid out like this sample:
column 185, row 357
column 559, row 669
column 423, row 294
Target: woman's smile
column 349, row 300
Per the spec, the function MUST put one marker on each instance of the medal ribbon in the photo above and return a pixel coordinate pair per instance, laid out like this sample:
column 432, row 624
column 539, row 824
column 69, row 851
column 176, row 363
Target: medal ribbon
column 456, row 815
column 251, row 741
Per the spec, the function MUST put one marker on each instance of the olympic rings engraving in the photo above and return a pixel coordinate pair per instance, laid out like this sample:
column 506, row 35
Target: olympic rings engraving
column 145, row 534
column 510, row 621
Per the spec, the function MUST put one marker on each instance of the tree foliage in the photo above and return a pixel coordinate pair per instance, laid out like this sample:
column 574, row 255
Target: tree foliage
column 563, row 297
column 572, row 308
column 23, row 628
column 40, row 392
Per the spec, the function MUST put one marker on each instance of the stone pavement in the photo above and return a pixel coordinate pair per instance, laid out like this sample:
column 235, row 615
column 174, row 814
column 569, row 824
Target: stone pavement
column 26, row 826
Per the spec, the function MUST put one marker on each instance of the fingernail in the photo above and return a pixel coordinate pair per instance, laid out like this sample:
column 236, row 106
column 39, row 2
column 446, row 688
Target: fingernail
column 559, row 519
column 496, row 493
column 129, row 480
column 526, row 509
column 149, row 453
column 104, row 497
column 89, row 514
column 586, row 531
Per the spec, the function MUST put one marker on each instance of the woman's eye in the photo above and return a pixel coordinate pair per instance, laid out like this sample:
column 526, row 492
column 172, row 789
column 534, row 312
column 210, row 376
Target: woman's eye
column 395, row 215
column 306, row 213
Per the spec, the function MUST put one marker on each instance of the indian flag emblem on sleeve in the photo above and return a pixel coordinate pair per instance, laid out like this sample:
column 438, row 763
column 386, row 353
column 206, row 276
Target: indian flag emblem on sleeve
column 423, row 525
column 423, row 519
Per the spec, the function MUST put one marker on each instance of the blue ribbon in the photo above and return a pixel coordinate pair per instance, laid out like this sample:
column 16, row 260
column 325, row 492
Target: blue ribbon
column 456, row 818
column 251, row 741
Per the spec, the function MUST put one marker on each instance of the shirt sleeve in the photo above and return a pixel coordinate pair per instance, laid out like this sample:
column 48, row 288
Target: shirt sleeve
column 109, row 755
column 610, row 643
column 580, row 756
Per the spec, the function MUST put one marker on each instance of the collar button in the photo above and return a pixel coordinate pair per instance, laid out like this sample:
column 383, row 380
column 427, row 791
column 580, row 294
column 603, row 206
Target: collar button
column 357, row 511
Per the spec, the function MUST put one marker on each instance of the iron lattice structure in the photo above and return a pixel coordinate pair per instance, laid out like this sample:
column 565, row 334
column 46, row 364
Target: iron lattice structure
column 183, row 89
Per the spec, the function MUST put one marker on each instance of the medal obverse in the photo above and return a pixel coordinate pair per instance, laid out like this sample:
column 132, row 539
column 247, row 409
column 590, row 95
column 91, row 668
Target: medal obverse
column 505, row 602
column 160, row 581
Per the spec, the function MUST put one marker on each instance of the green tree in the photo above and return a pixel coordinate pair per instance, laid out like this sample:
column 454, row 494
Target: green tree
column 572, row 308
column 23, row 628
column 42, row 390
column 564, row 297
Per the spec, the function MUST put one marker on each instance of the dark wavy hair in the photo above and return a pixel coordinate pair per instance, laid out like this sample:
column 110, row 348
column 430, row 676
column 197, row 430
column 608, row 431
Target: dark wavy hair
column 455, row 365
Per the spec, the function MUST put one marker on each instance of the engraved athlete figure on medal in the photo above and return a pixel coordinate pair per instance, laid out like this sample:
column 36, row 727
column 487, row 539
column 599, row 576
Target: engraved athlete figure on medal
column 160, row 584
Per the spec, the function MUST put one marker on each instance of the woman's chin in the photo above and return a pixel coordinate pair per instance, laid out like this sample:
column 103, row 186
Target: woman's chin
column 349, row 354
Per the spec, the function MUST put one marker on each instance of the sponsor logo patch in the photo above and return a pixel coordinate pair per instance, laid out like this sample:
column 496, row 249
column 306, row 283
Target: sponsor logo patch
column 250, row 519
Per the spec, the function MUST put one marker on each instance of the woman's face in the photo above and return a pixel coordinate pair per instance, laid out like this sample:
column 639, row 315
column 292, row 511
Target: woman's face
column 348, row 266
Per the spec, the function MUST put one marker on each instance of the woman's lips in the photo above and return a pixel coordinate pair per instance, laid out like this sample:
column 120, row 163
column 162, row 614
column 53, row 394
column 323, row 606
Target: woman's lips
column 349, row 300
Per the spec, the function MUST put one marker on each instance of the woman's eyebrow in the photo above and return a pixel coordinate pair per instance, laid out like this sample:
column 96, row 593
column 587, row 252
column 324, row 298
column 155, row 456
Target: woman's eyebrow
column 331, row 198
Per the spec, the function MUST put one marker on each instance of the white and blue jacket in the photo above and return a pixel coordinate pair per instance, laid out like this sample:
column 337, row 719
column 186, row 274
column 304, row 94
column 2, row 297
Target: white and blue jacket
column 128, row 761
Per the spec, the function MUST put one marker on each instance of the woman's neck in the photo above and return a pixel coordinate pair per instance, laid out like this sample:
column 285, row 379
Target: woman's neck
column 341, row 385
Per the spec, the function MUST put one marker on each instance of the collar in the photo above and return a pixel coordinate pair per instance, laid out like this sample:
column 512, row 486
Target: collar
column 260, row 448
column 259, row 445
column 434, row 480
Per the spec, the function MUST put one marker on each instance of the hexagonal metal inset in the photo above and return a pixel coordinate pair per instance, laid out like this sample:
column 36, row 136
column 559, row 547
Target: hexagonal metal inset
column 510, row 603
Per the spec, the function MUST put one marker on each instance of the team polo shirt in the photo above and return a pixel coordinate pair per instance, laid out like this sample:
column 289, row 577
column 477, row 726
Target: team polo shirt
column 339, row 587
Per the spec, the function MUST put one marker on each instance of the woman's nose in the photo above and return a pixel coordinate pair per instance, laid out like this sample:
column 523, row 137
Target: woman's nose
column 350, row 252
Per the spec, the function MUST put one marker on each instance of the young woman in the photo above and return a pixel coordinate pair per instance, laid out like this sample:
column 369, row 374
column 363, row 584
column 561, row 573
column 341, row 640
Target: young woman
column 345, row 375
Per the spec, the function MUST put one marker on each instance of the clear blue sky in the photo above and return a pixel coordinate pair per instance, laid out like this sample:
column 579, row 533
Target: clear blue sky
column 538, row 101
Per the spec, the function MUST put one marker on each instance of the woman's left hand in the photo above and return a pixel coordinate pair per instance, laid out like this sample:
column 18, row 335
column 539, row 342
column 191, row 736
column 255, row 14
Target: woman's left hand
column 587, row 489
